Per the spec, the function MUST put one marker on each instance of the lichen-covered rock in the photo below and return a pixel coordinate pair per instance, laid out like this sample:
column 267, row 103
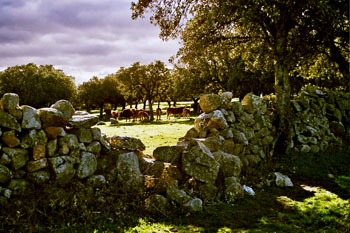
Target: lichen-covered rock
column 129, row 174
column 240, row 137
column 96, row 133
column 83, row 121
column 210, row 120
column 213, row 143
column 31, row 119
column 9, row 101
column 228, row 95
column 51, row 147
column 63, row 168
column 39, row 177
column 168, row 154
column 9, row 121
column 5, row 159
column 156, row 204
column 19, row 157
column 194, row 205
column 87, row 166
column 151, row 167
column 39, row 152
column 94, row 147
column 36, row 165
column 237, row 108
column 53, row 132
column 200, row 163
column 70, row 141
column 84, row 135
column 97, row 181
column 208, row 192
column 127, row 143
column 283, row 180
column 191, row 133
column 65, row 107
column 230, row 165
column 233, row 190
column 252, row 103
column 178, row 196
column 5, row 174
column 104, row 142
column 211, row 102
column 52, row 117
column 10, row 138
column 34, row 138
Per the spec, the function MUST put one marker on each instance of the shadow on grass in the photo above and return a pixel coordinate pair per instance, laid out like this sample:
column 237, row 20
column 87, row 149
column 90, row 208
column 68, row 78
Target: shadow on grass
column 189, row 121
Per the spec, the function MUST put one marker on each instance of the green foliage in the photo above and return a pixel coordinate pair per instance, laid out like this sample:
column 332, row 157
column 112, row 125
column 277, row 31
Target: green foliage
column 37, row 86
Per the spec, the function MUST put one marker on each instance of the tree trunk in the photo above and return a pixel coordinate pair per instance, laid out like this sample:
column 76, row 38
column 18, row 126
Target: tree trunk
column 158, row 104
column 136, row 105
column 101, row 111
column 283, row 92
column 343, row 64
column 169, row 103
column 151, row 117
column 144, row 105
column 174, row 104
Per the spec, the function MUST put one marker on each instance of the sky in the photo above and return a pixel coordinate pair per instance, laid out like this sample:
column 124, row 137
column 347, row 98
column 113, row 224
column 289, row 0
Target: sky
column 84, row 38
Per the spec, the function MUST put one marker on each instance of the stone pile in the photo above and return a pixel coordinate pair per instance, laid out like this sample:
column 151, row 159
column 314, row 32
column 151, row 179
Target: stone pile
column 216, row 158
column 321, row 120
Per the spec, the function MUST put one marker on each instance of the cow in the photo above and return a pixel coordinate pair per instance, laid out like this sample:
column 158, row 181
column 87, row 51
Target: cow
column 143, row 115
column 175, row 111
column 127, row 113
column 115, row 114
column 159, row 113
column 186, row 112
column 108, row 113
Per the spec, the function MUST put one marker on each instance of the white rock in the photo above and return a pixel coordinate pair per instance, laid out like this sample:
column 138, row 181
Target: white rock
column 283, row 180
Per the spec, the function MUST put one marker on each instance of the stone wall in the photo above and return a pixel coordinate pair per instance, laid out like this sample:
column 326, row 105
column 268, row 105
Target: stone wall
column 223, row 157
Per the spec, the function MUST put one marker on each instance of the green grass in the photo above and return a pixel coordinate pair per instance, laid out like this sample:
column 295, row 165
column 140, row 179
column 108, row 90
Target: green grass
column 152, row 134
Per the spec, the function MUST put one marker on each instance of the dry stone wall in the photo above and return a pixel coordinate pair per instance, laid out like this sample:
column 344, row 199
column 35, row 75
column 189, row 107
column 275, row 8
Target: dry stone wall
column 224, row 156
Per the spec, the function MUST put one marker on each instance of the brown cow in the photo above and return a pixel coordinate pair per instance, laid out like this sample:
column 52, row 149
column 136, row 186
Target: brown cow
column 115, row 114
column 108, row 113
column 127, row 113
column 143, row 115
column 175, row 111
column 186, row 113
column 159, row 113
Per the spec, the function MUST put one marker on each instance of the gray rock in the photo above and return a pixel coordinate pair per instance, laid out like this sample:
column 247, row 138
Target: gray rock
column 31, row 119
column 8, row 121
column 39, row 177
column 194, row 205
column 282, row 180
column 200, row 163
column 248, row 190
column 52, row 117
column 127, row 143
column 237, row 108
column 5, row 174
column 81, row 113
column 104, row 142
column 252, row 103
column 228, row 95
column 84, row 135
column 19, row 157
column 51, row 147
column 213, row 143
column 94, row 147
column 178, row 196
column 83, row 121
column 239, row 137
column 191, row 133
column 35, row 165
column 34, row 138
column 70, row 141
column 97, row 181
column 233, row 191
column 230, row 118
column 211, row 102
column 63, row 168
column 20, row 186
column 230, row 165
column 156, row 204
column 87, row 166
column 129, row 174
column 96, row 133
column 65, row 107
column 214, row 119
column 5, row 159
column 151, row 167
column 168, row 154
column 208, row 192
column 9, row 101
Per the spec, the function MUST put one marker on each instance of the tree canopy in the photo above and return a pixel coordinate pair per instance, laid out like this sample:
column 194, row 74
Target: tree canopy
column 37, row 86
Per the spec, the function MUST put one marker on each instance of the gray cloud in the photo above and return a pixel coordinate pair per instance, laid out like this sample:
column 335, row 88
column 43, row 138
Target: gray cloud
column 82, row 37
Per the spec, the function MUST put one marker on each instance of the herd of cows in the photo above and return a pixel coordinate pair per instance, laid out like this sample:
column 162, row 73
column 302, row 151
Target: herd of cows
column 141, row 114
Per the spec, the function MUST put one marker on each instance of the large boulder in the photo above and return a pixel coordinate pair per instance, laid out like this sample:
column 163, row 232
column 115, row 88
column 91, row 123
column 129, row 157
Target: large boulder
column 206, row 121
column 9, row 121
column 168, row 154
column 52, row 117
column 87, row 166
column 65, row 107
column 200, row 163
column 31, row 119
column 83, row 121
column 53, row 132
column 129, row 174
column 9, row 101
column 84, row 135
column 211, row 102
column 127, row 143
column 19, row 157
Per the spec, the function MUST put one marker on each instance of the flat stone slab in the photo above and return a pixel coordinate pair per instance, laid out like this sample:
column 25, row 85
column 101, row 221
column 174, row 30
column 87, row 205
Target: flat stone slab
column 83, row 121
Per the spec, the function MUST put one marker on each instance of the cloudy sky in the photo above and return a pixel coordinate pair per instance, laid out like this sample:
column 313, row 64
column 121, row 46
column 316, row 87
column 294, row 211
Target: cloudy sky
column 82, row 37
